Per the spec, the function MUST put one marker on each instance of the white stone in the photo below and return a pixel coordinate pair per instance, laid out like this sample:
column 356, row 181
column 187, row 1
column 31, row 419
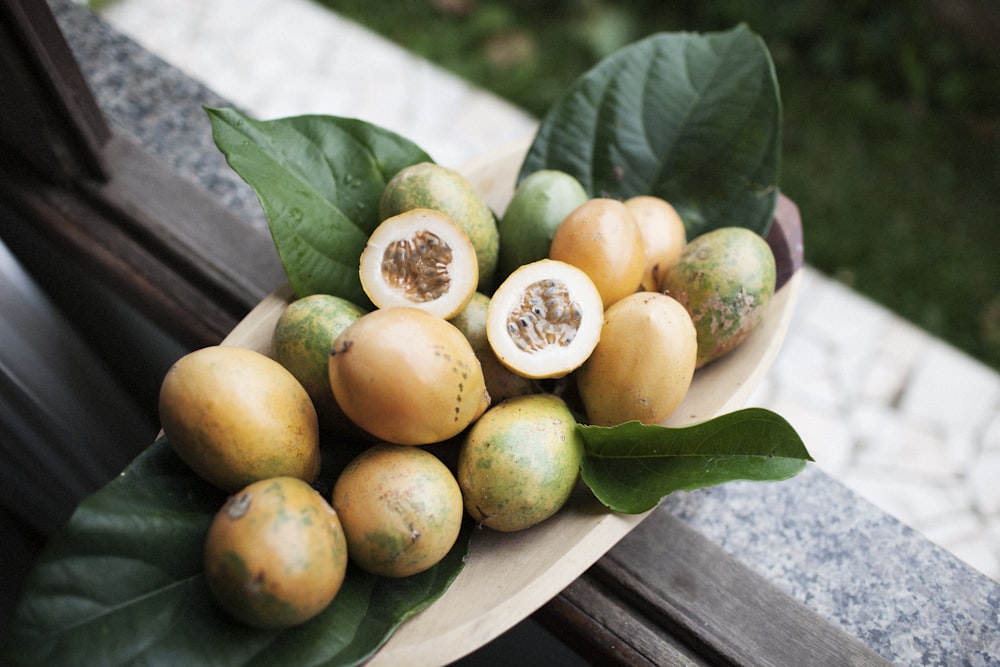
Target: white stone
column 984, row 480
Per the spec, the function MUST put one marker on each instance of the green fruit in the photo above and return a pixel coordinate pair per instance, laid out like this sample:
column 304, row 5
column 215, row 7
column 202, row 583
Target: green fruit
column 429, row 185
column 725, row 279
column 275, row 554
column 501, row 382
column 540, row 203
column 303, row 336
column 520, row 462
column 401, row 509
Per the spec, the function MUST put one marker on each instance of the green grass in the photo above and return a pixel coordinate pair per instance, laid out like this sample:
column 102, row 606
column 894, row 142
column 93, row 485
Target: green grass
column 892, row 129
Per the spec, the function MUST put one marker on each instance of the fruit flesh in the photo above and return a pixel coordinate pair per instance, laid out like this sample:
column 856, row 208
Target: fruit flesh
column 544, row 319
column 419, row 258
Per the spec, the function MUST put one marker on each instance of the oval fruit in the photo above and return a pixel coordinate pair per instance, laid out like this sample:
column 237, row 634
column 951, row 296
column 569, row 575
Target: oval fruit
column 501, row 382
column 275, row 554
column 663, row 236
column 235, row 416
column 644, row 363
column 301, row 342
column 420, row 258
column 540, row 202
column 725, row 279
column 602, row 238
column 430, row 185
column 406, row 376
column 401, row 509
column 520, row 462
column 544, row 319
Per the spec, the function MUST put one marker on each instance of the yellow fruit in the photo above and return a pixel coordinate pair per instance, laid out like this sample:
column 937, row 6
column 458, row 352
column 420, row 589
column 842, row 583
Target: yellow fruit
column 644, row 363
column 406, row 376
column 401, row 509
column 420, row 258
column 663, row 236
column 602, row 238
column 236, row 416
column 544, row 319
column 275, row 554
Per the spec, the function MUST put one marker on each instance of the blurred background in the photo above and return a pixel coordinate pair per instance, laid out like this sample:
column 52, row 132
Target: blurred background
column 891, row 122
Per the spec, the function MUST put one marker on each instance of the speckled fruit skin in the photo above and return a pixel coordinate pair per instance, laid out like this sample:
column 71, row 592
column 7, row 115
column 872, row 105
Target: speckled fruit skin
column 401, row 509
column 429, row 185
column 540, row 203
column 501, row 382
column 602, row 238
column 520, row 462
column 725, row 279
column 301, row 342
column 407, row 377
column 275, row 554
column 236, row 416
column 644, row 363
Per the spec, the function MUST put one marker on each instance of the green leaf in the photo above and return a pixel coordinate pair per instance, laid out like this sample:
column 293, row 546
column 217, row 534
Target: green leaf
column 694, row 119
column 319, row 179
column 631, row 467
column 123, row 584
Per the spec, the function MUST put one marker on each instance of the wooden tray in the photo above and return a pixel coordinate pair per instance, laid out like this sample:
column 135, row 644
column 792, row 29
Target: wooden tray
column 510, row 575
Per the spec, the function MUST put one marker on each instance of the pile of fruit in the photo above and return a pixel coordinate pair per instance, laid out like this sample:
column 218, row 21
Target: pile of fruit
column 488, row 340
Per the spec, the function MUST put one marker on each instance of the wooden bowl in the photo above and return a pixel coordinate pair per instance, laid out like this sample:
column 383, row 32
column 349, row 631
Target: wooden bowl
column 510, row 575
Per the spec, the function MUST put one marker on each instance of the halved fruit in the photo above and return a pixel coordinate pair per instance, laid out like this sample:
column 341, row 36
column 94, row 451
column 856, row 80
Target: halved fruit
column 545, row 319
column 421, row 259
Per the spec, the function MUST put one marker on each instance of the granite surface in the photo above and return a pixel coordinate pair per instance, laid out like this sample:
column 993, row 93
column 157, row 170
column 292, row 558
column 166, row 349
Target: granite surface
column 906, row 598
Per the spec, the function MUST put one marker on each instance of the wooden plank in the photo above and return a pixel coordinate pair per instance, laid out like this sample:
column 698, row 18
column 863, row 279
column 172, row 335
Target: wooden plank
column 667, row 577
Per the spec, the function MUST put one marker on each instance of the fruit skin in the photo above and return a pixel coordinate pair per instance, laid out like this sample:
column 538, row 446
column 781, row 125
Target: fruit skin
column 663, row 236
column 236, row 416
column 725, row 279
column 602, row 238
column 550, row 354
column 430, row 185
column 275, row 554
column 644, row 363
column 501, row 382
column 540, row 202
column 401, row 509
column 301, row 342
column 408, row 284
column 406, row 376
column 520, row 462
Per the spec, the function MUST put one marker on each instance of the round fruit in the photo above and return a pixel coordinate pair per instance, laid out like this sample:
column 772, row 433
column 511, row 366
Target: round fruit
column 725, row 279
column 602, row 238
column 501, row 382
column 301, row 342
column 275, row 554
column 520, row 462
column 420, row 258
column 663, row 236
column 236, row 416
column 406, row 376
column 544, row 319
column 540, row 202
column 429, row 185
column 401, row 509
column 644, row 363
